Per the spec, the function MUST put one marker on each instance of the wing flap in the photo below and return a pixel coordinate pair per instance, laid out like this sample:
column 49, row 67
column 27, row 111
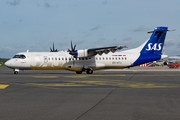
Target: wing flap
column 105, row 50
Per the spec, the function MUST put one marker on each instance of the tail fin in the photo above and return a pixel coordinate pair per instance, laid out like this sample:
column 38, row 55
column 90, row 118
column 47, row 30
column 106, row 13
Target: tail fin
column 151, row 50
column 156, row 42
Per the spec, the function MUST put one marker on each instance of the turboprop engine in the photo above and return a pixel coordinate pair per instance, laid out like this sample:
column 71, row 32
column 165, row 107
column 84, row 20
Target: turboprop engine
column 78, row 53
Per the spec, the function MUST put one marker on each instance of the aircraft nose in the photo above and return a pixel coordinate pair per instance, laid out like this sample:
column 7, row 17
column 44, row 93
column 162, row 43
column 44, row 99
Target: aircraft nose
column 7, row 63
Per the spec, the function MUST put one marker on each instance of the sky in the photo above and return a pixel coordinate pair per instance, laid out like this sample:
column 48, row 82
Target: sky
column 35, row 25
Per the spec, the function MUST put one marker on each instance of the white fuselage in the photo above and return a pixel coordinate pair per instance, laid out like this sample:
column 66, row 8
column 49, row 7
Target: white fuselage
column 62, row 60
column 92, row 59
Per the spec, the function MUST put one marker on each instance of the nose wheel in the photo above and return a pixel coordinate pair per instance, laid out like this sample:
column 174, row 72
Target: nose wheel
column 16, row 71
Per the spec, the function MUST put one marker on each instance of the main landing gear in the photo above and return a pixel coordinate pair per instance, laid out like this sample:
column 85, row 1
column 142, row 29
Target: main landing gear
column 87, row 70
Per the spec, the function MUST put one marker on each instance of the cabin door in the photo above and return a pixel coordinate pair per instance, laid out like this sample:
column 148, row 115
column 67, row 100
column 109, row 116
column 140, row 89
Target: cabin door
column 45, row 59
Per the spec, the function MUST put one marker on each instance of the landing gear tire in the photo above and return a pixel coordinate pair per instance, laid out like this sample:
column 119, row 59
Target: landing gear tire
column 78, row 72
column 89, row 71
column 15, row 72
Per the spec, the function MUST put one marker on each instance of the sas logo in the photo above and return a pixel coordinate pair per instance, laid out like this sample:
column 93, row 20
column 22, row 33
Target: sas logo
column 154, row 47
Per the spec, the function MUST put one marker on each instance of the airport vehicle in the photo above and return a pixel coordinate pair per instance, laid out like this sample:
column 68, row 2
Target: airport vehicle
column 88, row 60
column 173, row 61
column 173, row 65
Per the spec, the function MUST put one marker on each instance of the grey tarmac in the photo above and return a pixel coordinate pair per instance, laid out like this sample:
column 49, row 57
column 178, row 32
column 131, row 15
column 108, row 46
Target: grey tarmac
column 139, row 93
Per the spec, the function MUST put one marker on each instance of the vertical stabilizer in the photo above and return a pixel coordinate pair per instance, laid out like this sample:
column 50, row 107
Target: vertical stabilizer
column 156, row 42
column 151, row 50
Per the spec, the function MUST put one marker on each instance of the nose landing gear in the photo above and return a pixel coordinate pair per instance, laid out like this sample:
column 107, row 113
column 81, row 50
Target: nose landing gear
column 16, row 71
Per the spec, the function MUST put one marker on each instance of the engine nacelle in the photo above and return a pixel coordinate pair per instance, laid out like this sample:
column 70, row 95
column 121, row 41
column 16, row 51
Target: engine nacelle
column 81, row 53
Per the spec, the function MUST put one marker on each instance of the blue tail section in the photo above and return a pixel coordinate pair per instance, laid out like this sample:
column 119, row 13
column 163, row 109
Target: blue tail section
column 156, row 41
column 152, row 50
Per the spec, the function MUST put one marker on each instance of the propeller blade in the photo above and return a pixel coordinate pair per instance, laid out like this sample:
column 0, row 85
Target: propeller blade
column 53, row 47
column 74, row 48
column 71, row 46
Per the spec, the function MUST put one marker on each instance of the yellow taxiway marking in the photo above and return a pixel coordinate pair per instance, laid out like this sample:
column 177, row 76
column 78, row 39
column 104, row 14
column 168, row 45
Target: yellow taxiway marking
column 96, row 82
column 99, row 82
column 108, row 75
column 45, row 76
column 104, row 83
column 56, row 84
column 94, row 75
column 3, row 86
column 141, row 85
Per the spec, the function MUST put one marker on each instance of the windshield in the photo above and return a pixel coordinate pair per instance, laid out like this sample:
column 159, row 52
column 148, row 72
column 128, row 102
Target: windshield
column 20, row 56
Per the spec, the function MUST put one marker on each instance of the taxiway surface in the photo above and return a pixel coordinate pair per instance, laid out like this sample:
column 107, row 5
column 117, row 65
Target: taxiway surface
column 130, row 94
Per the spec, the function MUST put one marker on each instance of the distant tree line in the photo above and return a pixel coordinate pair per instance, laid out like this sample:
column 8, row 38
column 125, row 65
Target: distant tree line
column 2, row 61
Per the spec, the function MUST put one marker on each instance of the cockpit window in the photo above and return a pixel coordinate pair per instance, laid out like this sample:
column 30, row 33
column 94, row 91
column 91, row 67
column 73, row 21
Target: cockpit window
column 20, row 56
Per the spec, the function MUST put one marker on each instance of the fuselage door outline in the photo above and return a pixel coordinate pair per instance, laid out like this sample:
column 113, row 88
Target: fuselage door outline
column 45, row 59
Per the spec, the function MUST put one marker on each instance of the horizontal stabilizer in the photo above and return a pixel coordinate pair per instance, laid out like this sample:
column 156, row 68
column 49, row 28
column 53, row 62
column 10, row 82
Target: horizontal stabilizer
column 160, row 30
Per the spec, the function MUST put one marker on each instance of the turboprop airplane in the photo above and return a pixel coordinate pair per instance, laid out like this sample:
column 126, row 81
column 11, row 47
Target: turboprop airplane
column 88, row 60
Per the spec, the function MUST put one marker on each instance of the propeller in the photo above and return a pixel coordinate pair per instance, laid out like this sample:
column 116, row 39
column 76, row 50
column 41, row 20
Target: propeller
column 73, row 50
column 53, row 49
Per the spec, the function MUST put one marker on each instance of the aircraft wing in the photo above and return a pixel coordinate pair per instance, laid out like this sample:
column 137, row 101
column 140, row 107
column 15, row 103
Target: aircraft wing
column 105, row 50
column 93, row 51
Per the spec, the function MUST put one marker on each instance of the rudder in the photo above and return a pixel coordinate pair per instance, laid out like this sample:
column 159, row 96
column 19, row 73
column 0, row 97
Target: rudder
column 156, row 42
